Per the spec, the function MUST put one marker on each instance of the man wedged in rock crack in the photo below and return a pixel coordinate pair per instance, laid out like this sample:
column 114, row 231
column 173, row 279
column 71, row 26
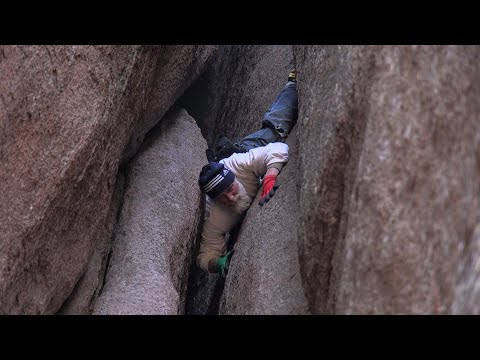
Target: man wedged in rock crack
column 231, row 179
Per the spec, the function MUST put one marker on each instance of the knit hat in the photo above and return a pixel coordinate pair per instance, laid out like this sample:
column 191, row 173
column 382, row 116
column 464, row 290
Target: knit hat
column 215, row 178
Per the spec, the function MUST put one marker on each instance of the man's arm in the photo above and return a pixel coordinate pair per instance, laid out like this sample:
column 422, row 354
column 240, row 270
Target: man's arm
column 257, row 161
column 272, row 171
column 266, row 161
column 269, row 185
column 212, row 244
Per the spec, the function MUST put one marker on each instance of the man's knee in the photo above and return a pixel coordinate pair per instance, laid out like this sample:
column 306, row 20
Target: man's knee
column 279, row 130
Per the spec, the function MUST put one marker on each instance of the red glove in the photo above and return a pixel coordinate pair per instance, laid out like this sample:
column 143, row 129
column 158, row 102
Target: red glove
column 268, row 189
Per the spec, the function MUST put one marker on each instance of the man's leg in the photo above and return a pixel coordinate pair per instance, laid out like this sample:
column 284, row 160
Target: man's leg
column 283, row 113
column 262, row 137
column 278, row 121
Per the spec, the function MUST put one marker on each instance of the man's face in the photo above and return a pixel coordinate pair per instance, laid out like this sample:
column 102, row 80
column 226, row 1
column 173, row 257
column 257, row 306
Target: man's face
column 230, row 196
column 235, row 198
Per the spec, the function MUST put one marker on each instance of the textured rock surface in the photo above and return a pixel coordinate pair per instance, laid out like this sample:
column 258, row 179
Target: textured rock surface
column 178, row 66
column 265, row 273
column 204, row 291
column 158, row 222
column 88, row 288
column 67, row 114
column 390, row 169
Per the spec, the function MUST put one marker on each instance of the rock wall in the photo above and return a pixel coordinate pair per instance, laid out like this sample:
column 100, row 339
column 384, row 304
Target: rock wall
column 389, row 178
column 68, row 115
column 154, row 244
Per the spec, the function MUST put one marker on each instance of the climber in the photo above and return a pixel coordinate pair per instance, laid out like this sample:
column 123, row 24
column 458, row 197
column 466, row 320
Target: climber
column 233, row 179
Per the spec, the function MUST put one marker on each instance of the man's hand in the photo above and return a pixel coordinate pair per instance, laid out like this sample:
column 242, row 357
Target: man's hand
column 269, row 188
column 223, row 263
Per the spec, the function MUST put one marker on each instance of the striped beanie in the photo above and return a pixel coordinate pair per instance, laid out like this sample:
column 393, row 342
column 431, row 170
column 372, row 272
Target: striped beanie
column 215, row 178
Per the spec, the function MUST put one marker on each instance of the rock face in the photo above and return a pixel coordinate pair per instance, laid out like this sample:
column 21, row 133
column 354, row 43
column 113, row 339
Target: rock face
column 68, row 115
column 88, row 288
column 389, row 187
column 159, row 219
column 177, row 67
column 265, row 272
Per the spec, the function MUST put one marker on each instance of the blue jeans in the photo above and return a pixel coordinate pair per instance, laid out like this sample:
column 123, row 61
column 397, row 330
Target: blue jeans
column 277, row 122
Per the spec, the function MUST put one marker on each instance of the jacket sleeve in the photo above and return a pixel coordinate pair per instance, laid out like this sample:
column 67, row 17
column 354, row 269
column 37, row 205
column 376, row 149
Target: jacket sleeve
column 212, row 245
column 260, row 159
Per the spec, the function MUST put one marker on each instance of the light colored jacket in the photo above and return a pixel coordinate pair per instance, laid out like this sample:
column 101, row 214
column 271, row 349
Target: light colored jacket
column 248, row 168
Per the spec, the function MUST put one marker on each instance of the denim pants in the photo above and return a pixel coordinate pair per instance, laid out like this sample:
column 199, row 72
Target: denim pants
column 277, row 122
